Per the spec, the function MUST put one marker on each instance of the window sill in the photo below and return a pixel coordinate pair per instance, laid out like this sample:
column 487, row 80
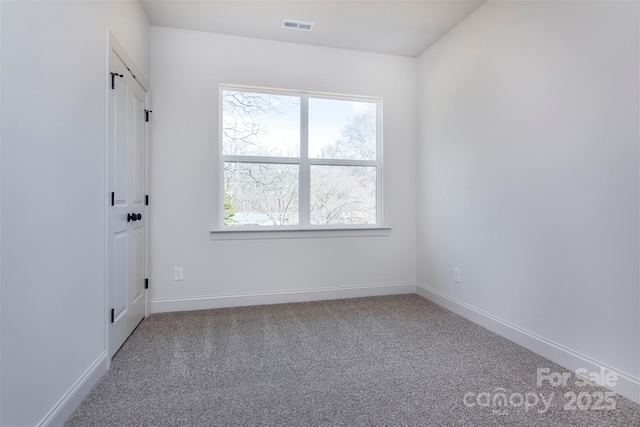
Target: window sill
column 298, row 233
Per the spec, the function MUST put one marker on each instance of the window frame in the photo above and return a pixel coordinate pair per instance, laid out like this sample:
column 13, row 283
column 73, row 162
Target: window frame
column 304, row 182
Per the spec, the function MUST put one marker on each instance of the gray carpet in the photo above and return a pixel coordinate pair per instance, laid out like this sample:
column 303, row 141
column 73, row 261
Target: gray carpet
column 381, row 361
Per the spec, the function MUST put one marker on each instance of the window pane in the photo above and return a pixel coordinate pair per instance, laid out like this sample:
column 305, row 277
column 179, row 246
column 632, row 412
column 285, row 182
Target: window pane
column 343, row 194
column 340, row 129
column 260, row 124
column 260, row 194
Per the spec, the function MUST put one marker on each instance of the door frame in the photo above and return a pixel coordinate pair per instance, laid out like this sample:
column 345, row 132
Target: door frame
column 112, row 45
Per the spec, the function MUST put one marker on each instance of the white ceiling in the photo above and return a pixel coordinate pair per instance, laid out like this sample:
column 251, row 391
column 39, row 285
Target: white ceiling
column 394, row 27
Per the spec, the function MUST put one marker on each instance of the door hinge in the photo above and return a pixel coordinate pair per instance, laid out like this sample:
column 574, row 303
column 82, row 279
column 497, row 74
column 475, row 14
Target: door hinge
column 146, row 115
column 113, row 315
column 146, row 283
column 146, row 200
column 113, row 198
column 113, row 79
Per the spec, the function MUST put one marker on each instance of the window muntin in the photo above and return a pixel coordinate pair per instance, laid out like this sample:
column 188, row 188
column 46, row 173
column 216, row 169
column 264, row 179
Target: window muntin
column 299, row 160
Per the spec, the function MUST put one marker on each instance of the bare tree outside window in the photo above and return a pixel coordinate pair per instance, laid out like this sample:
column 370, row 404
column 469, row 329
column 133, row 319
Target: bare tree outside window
column 263, row 194
column 343, row 194
column 261, row 125
column 261, row 146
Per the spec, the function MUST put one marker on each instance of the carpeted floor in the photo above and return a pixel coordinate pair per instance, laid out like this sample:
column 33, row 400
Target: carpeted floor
column 381, row 361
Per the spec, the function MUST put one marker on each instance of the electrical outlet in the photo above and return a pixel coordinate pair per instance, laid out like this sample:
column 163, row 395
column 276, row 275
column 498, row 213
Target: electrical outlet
column 178, row 273
column 456, row 275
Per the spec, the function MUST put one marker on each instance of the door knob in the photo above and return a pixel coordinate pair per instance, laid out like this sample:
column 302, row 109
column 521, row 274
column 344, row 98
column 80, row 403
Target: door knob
column 132, row 217
column 139, row 217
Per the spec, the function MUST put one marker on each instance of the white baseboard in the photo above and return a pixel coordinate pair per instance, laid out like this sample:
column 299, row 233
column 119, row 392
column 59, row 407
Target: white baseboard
column 627, row 385
column 241, row 300
column 76, row 394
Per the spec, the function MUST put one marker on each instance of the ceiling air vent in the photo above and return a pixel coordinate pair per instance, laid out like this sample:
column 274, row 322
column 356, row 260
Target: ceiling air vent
column 297, row 25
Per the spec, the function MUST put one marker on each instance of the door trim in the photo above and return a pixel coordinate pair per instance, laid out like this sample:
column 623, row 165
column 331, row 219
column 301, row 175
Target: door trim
column 112, row 45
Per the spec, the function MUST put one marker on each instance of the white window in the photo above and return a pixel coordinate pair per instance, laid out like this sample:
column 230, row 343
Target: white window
column 293, row 160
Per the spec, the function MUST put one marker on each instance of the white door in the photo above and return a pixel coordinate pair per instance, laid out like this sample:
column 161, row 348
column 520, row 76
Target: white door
column 127, row 217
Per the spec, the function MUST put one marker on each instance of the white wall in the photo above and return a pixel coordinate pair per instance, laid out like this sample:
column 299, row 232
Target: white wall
column 187, row 68
column 53, row 200
column 528, row 172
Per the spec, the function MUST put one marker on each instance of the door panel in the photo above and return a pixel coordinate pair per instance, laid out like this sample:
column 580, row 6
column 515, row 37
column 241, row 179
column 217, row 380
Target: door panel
column 127, row 177
column 139, row 145
column 120, row 261
column 119, row 137
column 139, row 245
